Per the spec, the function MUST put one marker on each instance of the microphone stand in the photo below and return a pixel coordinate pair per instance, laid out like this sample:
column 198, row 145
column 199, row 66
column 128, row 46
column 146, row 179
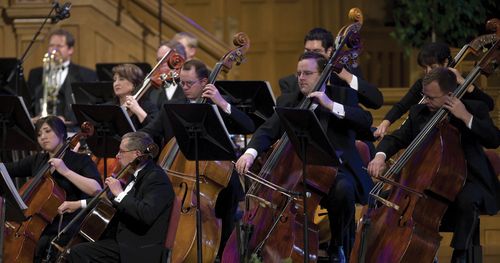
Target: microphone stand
column 18, row 69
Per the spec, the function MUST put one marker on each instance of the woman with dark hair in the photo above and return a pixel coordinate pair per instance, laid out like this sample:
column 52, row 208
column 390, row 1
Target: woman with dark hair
column 126, row 80
column 75, row 173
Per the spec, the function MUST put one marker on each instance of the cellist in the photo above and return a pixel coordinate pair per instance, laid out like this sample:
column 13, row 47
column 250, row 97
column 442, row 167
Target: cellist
column 138, row 230
column 193, row 80
column 75, row 173
column 338, row 109
column 480, row 192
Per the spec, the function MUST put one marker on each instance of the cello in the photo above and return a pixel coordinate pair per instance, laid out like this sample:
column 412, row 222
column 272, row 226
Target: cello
column 276, row 232
column 404, row 226
column 43, row 196
column 214, row 176
column 98, row 213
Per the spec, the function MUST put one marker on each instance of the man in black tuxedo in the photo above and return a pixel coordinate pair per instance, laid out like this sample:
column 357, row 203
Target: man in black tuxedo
column 193, row 80
column 63, row 41
column 340, row 115
column 138, row 230
column 471, row 118
column 171, row 91
column 320, row 40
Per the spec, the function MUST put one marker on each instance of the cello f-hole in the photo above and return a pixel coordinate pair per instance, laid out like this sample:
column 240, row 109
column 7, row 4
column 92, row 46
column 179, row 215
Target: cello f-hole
column 184, row 188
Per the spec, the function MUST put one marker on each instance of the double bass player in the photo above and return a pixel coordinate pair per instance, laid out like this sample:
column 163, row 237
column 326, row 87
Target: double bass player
column 480, row 192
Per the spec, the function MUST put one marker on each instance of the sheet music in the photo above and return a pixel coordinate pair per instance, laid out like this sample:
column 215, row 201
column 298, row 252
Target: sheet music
column 12, row 188
column 124, row 109
column 25, row 111
column 216, row 110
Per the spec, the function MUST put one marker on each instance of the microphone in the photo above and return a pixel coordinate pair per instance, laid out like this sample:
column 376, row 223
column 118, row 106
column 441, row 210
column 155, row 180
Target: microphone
column 62, row 12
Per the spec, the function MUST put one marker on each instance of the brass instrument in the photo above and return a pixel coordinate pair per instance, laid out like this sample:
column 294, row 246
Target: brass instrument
column 52, row 69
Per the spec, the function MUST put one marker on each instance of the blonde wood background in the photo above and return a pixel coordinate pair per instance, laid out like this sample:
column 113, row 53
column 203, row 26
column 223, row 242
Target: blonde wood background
column 127, row 31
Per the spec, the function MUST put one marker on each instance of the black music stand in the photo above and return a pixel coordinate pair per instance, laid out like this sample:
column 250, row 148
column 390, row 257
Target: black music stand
column 105, row 70
column 201, row 135
column 12, row 80
column 17, row 132
column 110, row 122
column 254, row 97
column 311, row 145
column 12, row 204
column 93, row 92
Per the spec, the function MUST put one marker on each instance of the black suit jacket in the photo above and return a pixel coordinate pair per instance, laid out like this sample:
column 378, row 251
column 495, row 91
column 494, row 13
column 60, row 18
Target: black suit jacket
column 368, row 95
column 483, row 134
column 143, row 215
column 414, row 95
column 341, row 132
column 161, row 131
column 76, row 73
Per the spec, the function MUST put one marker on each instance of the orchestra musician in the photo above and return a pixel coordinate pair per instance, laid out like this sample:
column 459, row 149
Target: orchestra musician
column 320, row 40
column 64, row 42
column 431, row 55
column 170, row 92
column 193, row 79
column 138, row 230
column 338, row 109
column 190, row 43
column 127, row 79
column 481, row 190
column 75, row 173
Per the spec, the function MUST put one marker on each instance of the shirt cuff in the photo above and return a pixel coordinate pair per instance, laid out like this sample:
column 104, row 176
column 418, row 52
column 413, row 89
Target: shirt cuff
column 252, row 152
column 83, row 203
column 338, row 110
column 382, row 153
column 228, row 109
column 469, row 125
column 120, row 196
column 354, row 83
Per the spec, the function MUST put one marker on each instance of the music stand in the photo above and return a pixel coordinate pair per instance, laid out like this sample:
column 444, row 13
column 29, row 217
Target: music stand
column 105, row 70
column 93, row 92
column 110, row 122
column 12, row 82
column 311, row 145
column 254, row 97
column 201, row 135
column 17, row 132
column 12, row 204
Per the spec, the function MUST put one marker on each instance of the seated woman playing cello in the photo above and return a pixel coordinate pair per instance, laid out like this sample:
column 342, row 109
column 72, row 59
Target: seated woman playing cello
column 75, row 173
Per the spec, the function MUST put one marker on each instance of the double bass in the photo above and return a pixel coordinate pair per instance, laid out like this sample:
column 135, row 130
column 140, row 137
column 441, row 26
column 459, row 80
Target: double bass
column 275, row 227
column 214, row 176
column 402, row 223
column 43, row 196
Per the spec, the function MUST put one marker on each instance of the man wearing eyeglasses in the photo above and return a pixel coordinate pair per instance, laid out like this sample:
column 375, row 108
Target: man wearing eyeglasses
column 193, row 80
column 340, row 115
column 70, row 72
column 320, row 40
column 138, row 230
column 480, row 192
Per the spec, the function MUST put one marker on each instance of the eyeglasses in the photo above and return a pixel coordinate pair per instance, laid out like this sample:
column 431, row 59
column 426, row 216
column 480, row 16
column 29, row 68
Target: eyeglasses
column 426, row 97
column 188, row 83
column 120, row 152
column 316, row 50
column 305, row 73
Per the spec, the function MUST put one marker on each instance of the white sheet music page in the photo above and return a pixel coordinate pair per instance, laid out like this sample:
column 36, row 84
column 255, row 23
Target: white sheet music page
column 12, row 188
